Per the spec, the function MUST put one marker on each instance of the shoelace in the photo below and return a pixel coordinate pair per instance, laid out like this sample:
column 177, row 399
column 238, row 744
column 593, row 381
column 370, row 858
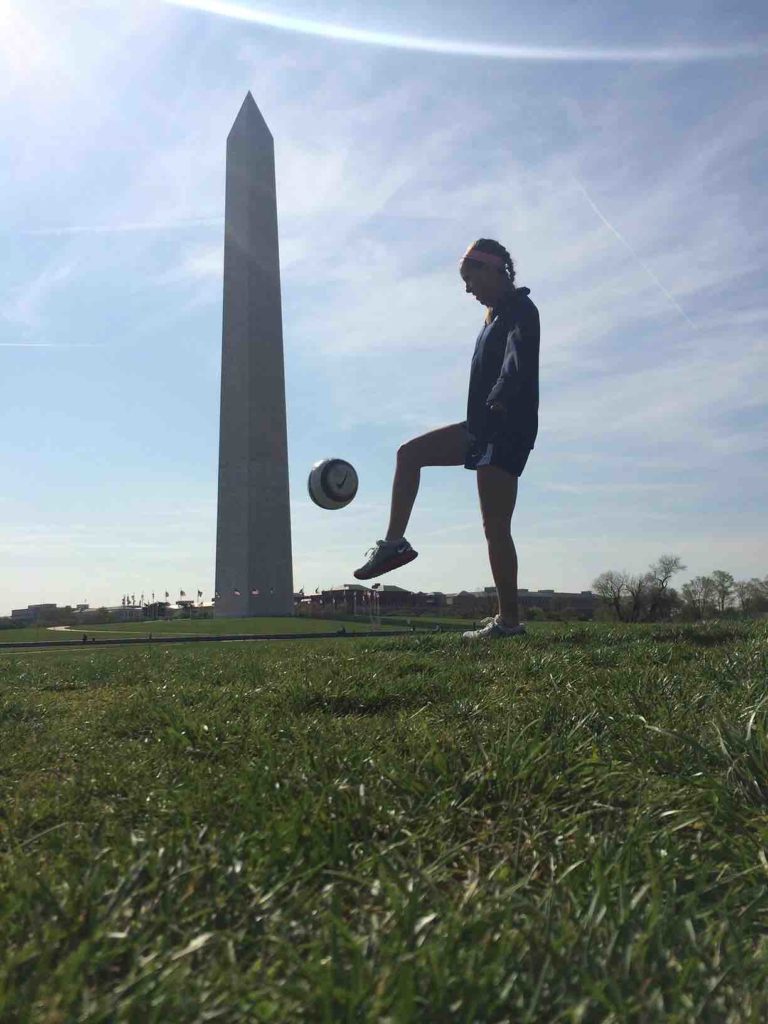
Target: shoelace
column 375, row 548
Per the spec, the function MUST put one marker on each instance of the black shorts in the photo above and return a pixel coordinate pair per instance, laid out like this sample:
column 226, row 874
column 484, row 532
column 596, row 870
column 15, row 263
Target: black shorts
column 509, row 455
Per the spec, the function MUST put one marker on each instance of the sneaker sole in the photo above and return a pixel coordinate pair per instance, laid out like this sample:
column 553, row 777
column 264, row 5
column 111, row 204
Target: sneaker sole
column 393, row 563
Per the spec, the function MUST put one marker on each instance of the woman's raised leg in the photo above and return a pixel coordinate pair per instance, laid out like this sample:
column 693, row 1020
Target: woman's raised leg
column 446, row 446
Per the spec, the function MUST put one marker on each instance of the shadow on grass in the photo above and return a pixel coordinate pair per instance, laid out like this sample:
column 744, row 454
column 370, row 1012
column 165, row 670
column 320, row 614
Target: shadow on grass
column 63, row 687
column 17, row 713
column 345, row 706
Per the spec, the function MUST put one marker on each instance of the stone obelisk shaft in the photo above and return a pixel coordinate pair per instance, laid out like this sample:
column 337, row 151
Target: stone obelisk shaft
column 253, row 534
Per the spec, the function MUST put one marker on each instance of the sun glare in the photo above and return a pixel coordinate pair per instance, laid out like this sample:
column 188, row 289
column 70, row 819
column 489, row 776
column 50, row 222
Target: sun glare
column 23, row 48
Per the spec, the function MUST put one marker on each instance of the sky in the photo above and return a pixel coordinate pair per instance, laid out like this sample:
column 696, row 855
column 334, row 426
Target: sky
column 617, row 150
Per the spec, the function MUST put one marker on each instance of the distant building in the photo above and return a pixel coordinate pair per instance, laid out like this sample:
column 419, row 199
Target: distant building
column 117, row 613
column 584, row 602
column 558, row 601
column 357, row 599
column 82, row 613
column 347, row 599
column 157, row 610
column 37, row 613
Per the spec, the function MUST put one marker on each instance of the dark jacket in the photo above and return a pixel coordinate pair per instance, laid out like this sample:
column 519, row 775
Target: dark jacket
column 505, row 368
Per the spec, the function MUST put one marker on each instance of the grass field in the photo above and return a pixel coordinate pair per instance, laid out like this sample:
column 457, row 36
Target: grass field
column 285, row 624
column 191, row 627
column 565, row 827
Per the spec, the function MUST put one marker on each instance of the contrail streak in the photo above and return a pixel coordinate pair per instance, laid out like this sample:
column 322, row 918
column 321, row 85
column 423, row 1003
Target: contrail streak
column 642, row 263
column 453, row 47
column 47, row 344
column 104, row 229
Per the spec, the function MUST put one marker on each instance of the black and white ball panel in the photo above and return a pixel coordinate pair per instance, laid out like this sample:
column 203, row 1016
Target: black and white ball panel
column 332, row 483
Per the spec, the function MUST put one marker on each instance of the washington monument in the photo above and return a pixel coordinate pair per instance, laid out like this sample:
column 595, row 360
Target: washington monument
column 253, row 533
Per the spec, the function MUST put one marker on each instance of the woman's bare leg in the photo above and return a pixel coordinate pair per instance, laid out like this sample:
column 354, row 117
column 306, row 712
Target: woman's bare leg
column 446, row 446
column 498, row 493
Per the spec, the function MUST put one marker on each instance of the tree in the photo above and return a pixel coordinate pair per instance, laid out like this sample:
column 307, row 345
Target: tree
column 700, row 595
column 661, row 600
column 742, row 590
column 752, row 595
column 638, row 588
column 611, row 587
column 723, row 583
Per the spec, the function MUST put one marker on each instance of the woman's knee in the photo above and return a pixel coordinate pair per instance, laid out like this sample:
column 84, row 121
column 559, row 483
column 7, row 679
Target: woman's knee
column 408, row 453
column 418, row 452
column 497, row 528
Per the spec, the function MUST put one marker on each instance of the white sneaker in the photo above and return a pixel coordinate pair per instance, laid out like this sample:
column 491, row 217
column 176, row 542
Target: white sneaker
column 495, row 628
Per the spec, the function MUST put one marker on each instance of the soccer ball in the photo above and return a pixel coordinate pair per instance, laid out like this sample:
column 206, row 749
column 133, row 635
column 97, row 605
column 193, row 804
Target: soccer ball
column 332, row 483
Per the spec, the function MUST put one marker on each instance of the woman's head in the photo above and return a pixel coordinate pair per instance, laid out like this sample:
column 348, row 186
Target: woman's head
column 487, row 271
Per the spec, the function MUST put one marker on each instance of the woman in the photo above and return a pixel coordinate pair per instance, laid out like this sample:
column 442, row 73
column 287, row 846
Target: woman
column 494, row 440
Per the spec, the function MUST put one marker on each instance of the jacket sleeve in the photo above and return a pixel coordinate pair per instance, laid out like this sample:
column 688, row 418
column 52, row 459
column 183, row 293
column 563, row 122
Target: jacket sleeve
column 522, row 344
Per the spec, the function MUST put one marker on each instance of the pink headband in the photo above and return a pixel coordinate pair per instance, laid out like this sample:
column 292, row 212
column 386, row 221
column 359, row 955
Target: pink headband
column 483, row 257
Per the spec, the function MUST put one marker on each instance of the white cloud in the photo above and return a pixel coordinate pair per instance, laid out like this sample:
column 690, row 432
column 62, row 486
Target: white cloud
column 26, row 304
column 196, row 264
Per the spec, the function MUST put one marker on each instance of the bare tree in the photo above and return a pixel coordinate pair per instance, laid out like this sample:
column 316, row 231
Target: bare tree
column 658, row 576
column 741, row 589
column 752, row 594
column 611, row 587
column 724, row 583
column 700, row 595
column 638, row 589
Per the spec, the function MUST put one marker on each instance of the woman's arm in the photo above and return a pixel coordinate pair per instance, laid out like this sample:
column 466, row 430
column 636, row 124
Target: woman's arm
column 519, row 349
